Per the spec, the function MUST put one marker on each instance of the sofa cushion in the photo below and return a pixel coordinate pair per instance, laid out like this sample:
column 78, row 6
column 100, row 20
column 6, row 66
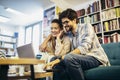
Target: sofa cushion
column 113, row 52
column 103, row 73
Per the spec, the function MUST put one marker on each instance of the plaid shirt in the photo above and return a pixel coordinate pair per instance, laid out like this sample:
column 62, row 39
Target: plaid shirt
column 87, row 42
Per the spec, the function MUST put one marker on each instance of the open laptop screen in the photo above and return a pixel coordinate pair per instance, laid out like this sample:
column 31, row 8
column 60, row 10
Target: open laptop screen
column 26, row 51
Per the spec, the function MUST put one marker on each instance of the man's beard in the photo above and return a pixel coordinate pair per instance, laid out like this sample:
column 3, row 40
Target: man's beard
column 68, row 28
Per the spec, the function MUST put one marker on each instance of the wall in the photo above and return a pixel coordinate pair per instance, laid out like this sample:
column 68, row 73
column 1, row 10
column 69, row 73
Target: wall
column 7, row 30
column 21, row 36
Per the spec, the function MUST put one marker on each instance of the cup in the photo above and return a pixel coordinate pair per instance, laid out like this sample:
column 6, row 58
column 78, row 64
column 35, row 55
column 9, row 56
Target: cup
column 38, row 56
column 39, row 68
column 21, row 70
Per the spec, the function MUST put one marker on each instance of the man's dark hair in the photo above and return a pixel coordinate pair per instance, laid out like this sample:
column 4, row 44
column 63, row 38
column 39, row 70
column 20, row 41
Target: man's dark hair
column 70, row 14
column 58, row 22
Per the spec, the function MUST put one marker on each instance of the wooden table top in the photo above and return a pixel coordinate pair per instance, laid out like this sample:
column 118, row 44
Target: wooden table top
column 10, row 61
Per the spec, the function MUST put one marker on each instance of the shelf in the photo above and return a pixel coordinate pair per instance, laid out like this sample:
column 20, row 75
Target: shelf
column 8, row 44
column 112, row 31
column 7, row 36
column 93, row 13
column 95, row 22
column 104, row 15
column 110, row 8
column 111, row 19
column 82, row 16
column 99, row 33
column 6, row 48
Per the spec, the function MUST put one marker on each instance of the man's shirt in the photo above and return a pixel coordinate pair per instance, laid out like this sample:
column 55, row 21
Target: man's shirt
column 86, row 41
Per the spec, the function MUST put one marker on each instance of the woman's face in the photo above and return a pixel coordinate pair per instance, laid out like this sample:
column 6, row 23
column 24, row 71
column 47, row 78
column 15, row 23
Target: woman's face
column 55, row 29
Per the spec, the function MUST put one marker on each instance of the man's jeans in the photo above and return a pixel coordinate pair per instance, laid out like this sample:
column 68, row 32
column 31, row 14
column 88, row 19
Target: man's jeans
column 59, row 71
column 73, row 66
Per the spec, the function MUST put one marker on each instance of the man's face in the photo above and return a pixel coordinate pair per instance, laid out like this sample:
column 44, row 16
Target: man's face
column 67, row 24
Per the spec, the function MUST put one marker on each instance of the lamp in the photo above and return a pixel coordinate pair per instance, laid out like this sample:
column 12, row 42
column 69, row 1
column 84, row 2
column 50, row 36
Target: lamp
column 13, row 11
column 4, row 19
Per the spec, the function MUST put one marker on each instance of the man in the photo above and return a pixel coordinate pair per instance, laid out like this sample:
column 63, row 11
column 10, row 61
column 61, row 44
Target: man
column 86, row 51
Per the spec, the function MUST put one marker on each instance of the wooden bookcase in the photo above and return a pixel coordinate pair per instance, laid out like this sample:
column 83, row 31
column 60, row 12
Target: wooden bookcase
column 104, row 15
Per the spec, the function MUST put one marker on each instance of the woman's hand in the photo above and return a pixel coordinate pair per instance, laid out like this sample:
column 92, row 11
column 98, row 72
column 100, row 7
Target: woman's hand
column 60, row 34
column 43, row 46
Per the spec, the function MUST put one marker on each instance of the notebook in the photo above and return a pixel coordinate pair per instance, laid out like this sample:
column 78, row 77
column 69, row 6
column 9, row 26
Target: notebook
column 26, row 51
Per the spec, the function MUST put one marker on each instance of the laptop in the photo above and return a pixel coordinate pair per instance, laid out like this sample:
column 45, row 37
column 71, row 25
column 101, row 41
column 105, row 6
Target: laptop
column 26, row 51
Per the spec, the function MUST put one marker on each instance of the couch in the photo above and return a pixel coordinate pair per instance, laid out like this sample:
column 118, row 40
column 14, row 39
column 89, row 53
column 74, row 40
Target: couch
column 109, row 72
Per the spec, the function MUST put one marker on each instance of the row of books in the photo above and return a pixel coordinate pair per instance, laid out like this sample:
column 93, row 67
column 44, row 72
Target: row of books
column 84, row 20
column 112, row 38
column 115, row 37
column 111, row 13
column 111, row 25
column 95, row 18
column 80, row 12
column 107, row 26
column 4, row 52
column 109, row 3
column 94, row 7
column 91, row 19
column 97, row 28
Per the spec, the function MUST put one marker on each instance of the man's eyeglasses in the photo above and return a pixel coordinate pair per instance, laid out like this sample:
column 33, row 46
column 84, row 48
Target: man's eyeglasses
column 65, row 22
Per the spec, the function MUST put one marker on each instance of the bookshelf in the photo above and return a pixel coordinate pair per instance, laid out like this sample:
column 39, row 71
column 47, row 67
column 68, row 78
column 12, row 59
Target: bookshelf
column 104, row 15
column 8, row 44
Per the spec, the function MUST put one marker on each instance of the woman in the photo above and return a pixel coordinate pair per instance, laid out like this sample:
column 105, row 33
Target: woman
column 57, row 43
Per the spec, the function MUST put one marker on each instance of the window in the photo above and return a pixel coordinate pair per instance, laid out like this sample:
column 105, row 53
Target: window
column 33, row 34
column 36, row 35
column 28, row 35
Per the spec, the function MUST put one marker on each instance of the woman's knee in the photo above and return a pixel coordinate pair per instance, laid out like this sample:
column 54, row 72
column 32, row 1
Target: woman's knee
column 53, row 58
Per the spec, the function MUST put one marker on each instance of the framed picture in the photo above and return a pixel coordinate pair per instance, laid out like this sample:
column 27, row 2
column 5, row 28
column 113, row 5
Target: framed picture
column 49, row 15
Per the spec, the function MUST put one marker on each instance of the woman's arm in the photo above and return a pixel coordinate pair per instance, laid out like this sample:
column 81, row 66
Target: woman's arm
column 62, row 46
column 43, row 46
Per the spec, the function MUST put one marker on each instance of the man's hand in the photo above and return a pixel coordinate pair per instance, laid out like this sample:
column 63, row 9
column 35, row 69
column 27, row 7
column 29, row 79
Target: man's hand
column 76, row 51
column 51, row 64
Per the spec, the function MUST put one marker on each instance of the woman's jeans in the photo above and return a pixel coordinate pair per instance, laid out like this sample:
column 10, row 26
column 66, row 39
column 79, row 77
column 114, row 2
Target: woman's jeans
column 73, row 67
